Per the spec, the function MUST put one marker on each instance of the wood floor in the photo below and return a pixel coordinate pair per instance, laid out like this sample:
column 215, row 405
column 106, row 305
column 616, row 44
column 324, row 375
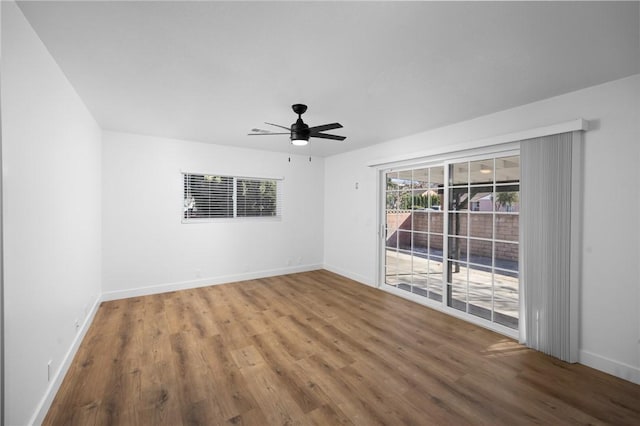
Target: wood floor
column 317, row 348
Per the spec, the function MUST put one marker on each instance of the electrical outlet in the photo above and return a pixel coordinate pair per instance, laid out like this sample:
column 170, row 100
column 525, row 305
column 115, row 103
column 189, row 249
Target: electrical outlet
column 49, row 371
column 77, row 324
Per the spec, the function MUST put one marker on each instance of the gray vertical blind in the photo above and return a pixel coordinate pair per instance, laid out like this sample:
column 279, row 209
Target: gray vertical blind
column 550, row 225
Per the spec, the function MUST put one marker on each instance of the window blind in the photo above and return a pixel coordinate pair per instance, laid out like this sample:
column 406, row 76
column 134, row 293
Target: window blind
column 550, row 225
column 209, row 196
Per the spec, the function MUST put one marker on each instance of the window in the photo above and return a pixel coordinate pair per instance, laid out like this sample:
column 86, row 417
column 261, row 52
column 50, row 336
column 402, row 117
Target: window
column 452, row 235
column 215, row 196
column 207, row 196
column 256, row 198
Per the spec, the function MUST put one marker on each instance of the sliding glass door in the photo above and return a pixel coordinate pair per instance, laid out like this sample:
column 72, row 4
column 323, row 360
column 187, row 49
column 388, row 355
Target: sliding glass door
column 483, row 227
column 414, row 225
column 452, row 234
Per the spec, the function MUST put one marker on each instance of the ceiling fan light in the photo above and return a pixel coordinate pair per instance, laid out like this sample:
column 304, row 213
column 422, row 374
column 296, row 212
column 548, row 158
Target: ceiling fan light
column 299, row 142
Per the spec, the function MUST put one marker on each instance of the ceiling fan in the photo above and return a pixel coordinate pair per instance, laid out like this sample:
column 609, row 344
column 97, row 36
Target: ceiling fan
column 299, row 132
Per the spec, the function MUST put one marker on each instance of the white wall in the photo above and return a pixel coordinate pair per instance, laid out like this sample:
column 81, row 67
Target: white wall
column 147, row 248
column 1, row 259
column 51, row 213
column 610, row 298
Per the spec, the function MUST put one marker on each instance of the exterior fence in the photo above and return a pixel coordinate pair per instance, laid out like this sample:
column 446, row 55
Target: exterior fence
column 400, row 223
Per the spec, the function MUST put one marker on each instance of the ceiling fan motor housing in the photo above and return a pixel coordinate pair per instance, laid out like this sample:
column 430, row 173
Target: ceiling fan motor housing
column 299, row 130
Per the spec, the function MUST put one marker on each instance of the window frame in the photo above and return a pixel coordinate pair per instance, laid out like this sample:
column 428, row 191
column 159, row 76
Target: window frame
column 468, row 239
column 445, row 159
column 234, row 216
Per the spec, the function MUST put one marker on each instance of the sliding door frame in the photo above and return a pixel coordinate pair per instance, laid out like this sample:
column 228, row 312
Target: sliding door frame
column 507, row 149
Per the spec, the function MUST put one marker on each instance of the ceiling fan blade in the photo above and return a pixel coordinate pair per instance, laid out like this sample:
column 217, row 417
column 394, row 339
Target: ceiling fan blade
column 326, row 136
column 324, row 127
column 267, row 134
column 277, row 125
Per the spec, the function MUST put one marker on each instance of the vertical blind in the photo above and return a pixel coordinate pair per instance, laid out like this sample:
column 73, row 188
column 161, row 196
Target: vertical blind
column 550, row 227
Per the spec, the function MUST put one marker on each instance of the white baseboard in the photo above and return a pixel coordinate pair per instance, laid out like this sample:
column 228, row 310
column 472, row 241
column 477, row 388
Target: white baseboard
column 610, row 366
column 58, row 377
column 356, row 277
column 204, row 282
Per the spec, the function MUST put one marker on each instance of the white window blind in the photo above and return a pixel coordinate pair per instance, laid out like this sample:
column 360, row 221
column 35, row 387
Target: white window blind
column 210, row 196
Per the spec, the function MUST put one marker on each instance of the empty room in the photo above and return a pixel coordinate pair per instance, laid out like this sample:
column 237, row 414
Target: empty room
column 319, row 213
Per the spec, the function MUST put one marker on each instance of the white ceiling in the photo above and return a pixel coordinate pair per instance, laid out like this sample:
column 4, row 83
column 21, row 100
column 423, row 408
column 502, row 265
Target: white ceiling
column 212, row 71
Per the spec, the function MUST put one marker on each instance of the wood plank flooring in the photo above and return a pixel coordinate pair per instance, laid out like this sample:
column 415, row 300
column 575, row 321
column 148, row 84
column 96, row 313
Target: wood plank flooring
column 317, row 349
